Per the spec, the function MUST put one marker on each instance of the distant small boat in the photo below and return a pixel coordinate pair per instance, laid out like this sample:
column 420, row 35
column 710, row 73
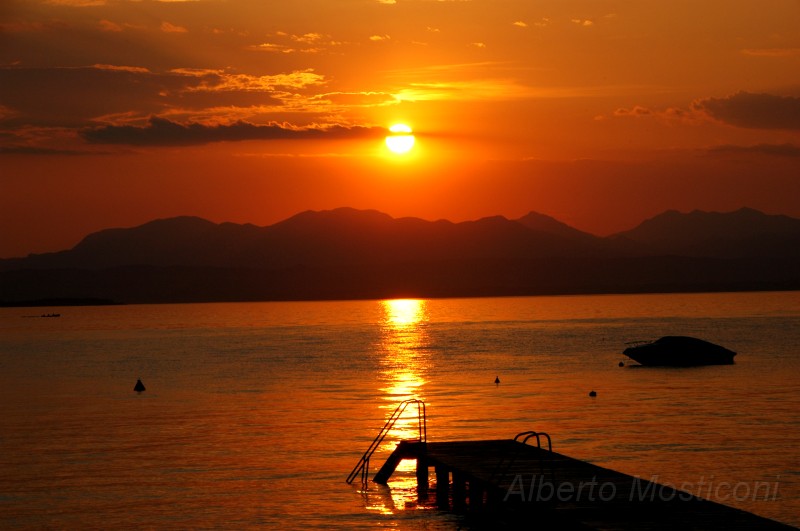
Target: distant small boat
column 679, row 351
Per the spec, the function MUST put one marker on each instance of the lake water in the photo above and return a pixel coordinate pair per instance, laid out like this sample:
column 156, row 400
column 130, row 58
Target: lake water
column 255, row 413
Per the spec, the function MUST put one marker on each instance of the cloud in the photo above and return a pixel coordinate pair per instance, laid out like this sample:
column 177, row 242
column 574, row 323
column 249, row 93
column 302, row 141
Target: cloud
column 379, row 38
column 167, row 27
column 582, row 22
column 474, row 90
column 519, row 24
column 753, row 111
column 161, row 132
column 70, row 96
column 364, row 99
column 34, row 140
column 308, row 38
column 107, row 25
column 777, row 150
column 271, row 47
column 221, row 81
column 635, row 111
column 743, row 109
column 75, row 97
column 283, row 42
column 122, row 68
column 483, row 80
column 669, row 115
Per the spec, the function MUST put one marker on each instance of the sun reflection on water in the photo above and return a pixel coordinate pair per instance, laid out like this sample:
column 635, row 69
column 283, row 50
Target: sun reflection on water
column 402, row 313
column 404, row 351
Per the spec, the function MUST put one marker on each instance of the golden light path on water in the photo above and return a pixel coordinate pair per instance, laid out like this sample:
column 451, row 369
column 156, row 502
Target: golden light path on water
column 404, row 361
column 404, row 357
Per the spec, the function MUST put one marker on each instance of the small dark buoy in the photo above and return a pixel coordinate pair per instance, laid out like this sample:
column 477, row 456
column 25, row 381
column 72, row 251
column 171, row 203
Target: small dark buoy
column 497, row 379
column 592, row 393
column 622, row 364
column 139, row 387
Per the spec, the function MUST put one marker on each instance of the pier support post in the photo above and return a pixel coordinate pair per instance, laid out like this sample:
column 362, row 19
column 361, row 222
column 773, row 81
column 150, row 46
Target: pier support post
column 422, row 477
column 494, row 496
column 442, row 487
column 477, row 491
column 459, row 490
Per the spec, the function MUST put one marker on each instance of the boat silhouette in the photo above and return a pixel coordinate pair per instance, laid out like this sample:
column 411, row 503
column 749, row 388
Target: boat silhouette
column 679, row 351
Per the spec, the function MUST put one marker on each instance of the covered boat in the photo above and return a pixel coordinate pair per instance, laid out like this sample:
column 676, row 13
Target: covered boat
column 679, row 351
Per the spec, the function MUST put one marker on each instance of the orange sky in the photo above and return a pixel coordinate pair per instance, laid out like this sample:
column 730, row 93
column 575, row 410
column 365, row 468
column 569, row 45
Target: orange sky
column 599, row 113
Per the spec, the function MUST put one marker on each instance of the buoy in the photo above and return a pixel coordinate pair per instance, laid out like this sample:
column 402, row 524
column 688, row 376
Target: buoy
column 592, row 394
column 497, row 379
column 139, row 387
column 622, row 364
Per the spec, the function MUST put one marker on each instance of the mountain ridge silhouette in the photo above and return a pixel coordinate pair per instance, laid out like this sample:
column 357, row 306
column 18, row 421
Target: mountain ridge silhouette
column 350, row 253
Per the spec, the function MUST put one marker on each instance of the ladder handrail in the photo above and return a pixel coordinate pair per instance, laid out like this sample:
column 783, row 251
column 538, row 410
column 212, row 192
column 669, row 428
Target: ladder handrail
column 363, row 464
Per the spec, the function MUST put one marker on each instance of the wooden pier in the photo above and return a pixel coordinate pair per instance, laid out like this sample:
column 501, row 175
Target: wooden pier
column 510, row 482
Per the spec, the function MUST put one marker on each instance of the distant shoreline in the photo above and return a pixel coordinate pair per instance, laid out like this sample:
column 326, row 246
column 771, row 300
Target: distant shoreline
column 88, row 301
column 58, row 302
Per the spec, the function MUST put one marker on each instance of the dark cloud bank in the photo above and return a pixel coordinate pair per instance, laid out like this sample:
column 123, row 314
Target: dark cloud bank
column 162, row 132
column 755, row 111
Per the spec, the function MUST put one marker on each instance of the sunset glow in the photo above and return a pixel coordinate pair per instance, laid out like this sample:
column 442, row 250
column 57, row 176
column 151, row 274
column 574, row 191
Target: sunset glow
column 247, row 246
column 250, row 112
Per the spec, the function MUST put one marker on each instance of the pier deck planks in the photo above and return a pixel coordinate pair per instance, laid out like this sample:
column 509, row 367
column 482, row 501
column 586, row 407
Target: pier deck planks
column 501, row 479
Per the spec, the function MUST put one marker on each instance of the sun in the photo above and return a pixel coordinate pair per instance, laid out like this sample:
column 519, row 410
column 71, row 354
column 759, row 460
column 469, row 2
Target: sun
column 400, row 140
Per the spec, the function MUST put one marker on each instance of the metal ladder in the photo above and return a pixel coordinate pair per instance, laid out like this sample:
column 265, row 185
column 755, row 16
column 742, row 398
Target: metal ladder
column 363, row 464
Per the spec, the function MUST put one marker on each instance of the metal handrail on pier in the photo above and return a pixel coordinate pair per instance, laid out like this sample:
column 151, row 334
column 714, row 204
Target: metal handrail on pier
column 505, row 464
column 529, row 434
column 363, row 464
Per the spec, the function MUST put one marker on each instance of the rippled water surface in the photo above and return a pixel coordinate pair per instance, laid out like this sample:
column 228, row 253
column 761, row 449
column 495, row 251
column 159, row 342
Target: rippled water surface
column 255, row 413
